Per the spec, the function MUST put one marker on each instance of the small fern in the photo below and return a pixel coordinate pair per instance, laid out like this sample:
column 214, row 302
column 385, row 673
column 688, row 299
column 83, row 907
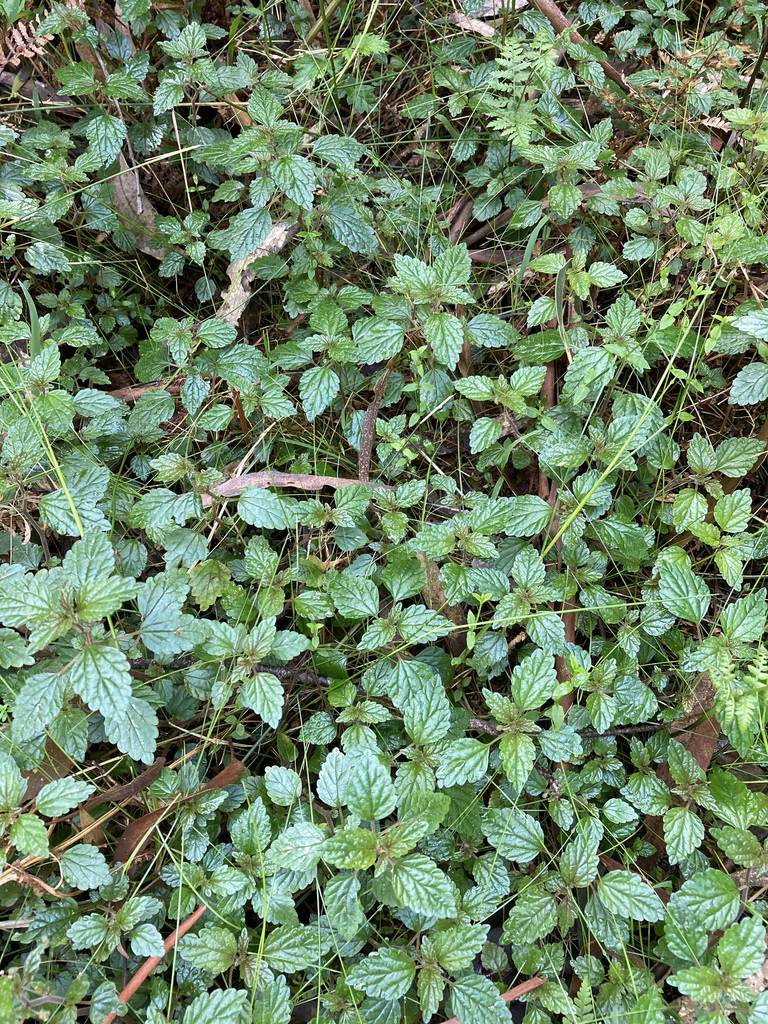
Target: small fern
column 523, row 67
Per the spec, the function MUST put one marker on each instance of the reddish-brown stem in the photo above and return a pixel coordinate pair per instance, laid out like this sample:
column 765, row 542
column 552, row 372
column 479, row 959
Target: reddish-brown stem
column 151, row 963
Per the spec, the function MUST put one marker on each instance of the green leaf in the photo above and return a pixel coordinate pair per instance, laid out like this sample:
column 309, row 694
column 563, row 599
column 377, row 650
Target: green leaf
column 516, row 835
column 376, row 339
column 245, row 234
column 683, row 833
column 212, row 949
column 84, row 867
column 605, row 275
column 106, row 135
column 101, row 675
column 485, row 432
column 147, row 941
column 445, row 337
column 164, row 629
column 295, row 176
column 351, row 847
column 317, row 389
column 134, row 730
column 383, row 974
column 419, row 883
column 741, row 951
column 29, row 835
column 341, row 897
column 626, row 894
column 750, row 385
column 61, row 795
column 533, row 681
column 370, row 793
column 265, row 509
column 264, row 694
column 690, row 507
column 457, row 946
column 464, row 760
column 682, row 593
column 736, row 456
column 734, row 511
column 221, row 1006
column 518, row 755
column 712, row 898
column 427, row 718
column 475, row 1000
column 702, row 983
column 351, row 228
column 298, row 848
column 283, row 785
column 579, row 862
column 354, row 596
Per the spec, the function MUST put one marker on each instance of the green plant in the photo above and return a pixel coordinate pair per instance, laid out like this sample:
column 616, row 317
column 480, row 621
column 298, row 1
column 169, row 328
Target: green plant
column 381, row 592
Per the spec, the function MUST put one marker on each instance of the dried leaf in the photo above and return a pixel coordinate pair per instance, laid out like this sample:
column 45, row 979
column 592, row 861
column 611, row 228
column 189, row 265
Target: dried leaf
column 269, row 478
column 138, row 832
column 237, row 296
column 132, row 205
column 472, row 25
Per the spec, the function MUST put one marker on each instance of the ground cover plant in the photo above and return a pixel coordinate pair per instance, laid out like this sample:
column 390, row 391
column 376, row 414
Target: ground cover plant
column 382, row 421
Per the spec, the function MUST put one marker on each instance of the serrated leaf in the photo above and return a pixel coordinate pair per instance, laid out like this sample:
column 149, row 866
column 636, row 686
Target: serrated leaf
column 61, row 795
column 264, row 694
column 741, row 950
column 464, row 760
column 101, row 675
column 750, row 385
column 682, row 593
column 445, row 337
column 212, row 949
column 351, row 847
column 317, row 389
column 106, row 135
column 377, row 339
column 383, row 974
column 626, row 894
column 296, row 177
column 84, row 867
column 29, row 835
column 475, row 1000
column 370, row 792
column 419, row 883
column 683, row 832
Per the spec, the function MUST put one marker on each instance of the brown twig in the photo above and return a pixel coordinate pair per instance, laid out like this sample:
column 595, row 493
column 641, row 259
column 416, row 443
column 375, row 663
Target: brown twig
column 464, row 212
column 132, row 393
column 302, row 676
column 151, row 962
column 369, row 423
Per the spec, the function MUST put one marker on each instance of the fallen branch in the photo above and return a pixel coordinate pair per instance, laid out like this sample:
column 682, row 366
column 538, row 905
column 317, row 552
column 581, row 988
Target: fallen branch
column 151, row 962
column 270, row 478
